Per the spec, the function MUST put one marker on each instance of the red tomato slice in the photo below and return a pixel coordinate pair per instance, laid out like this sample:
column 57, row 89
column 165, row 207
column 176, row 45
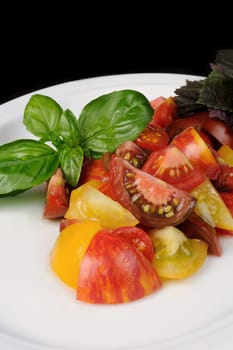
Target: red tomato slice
column 139, row 238
column 220, row 130
column 164, row 111
column 153, row 202
column 56, row 202
column 171, row 165
column 152, row 138
column 197, row 121
column 194, row 147
column 114, row 271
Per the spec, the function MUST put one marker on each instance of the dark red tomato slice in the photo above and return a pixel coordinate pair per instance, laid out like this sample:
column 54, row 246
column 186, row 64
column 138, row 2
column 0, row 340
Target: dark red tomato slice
column 171, row 165
column 198, row 152
column 197, row 121
column 154, row 202
column 196, row 227
column 220, row 130
column 139, row 238
column 56, row 202
column 133, row 153
column 164, row 111
column 114, row 271
column 152, row 138
column 224, row 181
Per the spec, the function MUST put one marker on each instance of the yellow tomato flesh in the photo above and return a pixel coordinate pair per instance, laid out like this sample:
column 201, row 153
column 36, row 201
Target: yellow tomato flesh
column 88, row 203
column 210, row 206
column 226, row 153
column 176, row 256
column 70, row 248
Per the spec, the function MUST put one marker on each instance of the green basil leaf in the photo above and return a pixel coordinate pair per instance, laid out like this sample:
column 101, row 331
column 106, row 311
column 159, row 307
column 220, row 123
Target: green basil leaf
column 71, row 161
column 25, row 164
column 68, row 128
column 111, row 119
column 42, row 116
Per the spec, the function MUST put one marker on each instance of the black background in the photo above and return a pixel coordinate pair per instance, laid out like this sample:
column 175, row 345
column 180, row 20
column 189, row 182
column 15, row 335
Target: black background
column 44, row 46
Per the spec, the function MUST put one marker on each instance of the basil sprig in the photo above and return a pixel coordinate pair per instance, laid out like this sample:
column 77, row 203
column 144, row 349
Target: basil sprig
column 64, row 140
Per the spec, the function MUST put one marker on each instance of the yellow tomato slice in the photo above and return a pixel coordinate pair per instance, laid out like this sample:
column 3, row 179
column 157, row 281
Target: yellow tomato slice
column 176, row 256
column 69, row 249
column 88, row 203
column 226, row 153
column 210, row 206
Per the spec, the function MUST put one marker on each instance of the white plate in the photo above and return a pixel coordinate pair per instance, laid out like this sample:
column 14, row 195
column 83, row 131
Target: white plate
column 38, row 312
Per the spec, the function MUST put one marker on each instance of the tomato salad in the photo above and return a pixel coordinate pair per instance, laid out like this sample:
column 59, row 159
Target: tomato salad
column 161, row 202
column 142, row 195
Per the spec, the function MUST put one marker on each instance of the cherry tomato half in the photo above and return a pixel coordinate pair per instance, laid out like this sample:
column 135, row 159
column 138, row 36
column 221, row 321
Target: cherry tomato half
column 153, row 137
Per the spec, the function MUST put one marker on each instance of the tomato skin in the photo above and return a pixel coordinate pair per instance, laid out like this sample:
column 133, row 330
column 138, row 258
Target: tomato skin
column 171, row 165
column 164, row 111
column 194, row 147
column 220, row 130
column 139, row 238
column 56, row 202
column 153, row 137
column 153, row 202
column 196, row 227
column 114, row 271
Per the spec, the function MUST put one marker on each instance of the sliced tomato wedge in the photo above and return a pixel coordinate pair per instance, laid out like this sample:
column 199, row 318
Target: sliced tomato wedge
column 152, row 138
column 56, row 202
column 195, row 148
column 176, row 256
column 153, row 202
column 164, row 111
column 114, row 271
column 172, row 165
column 88, row 203
column 211, row 207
